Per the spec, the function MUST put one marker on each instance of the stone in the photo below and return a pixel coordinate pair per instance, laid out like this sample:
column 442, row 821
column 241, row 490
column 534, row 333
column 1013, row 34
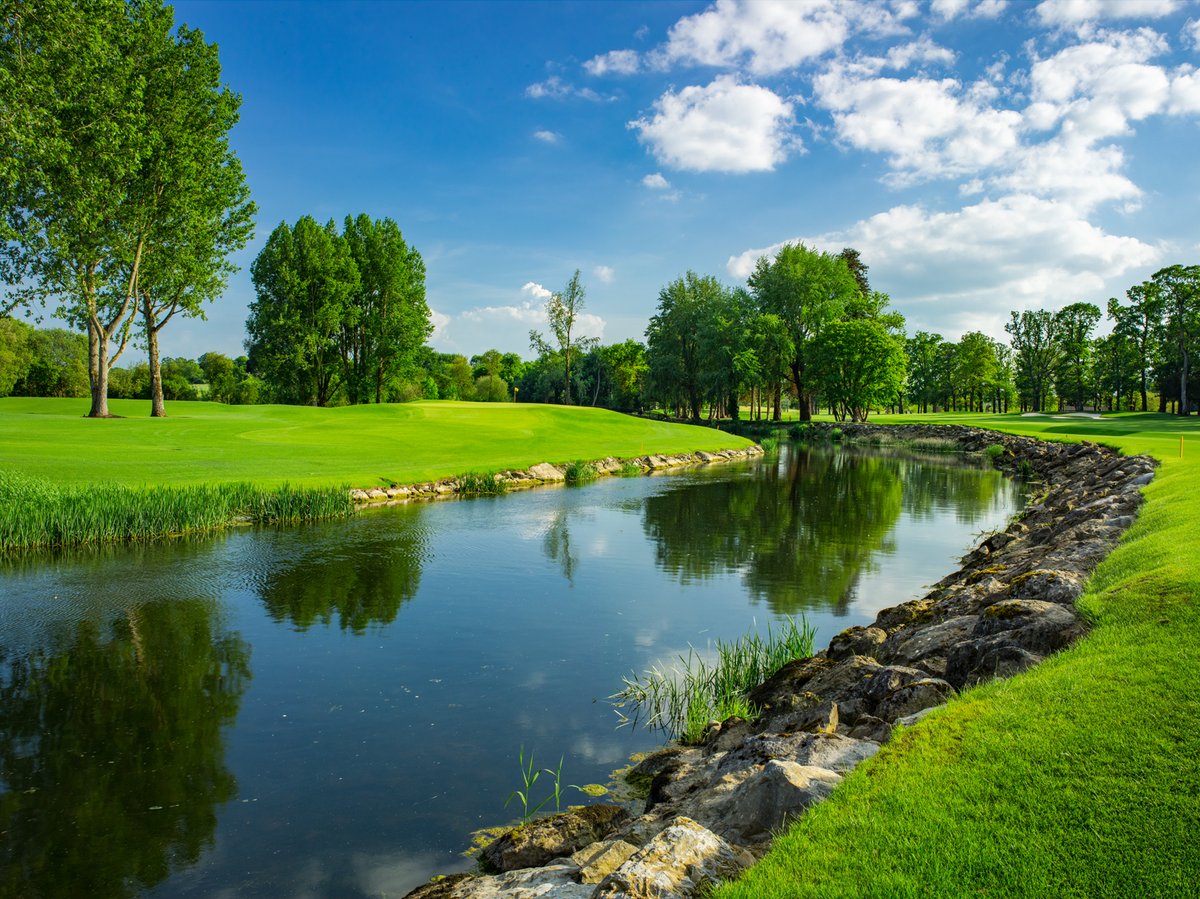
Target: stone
column 987, row 659
column 1038, row 626
column 914, row 697
column 927, row 647
column 679, row 863
column 442, row 888
column 1057, row 586
column 550, row 882
column 543, row 839
column 856, row 641
column 600, row 859
column 544, row 471
column 767, row 800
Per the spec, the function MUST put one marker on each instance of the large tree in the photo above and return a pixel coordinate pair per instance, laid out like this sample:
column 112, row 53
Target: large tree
column 1139, row 323
column 304, row 279
column 1074, row 324
column 674, row 348
column 1034, row 340
column 806, row 290
column 99, row 158
column 563, row 311
column 1178, row 286
column 859, row 366
column 388, row 320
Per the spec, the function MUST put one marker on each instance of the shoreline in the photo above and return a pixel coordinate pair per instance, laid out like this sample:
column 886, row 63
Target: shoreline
column 544, row 474
column 712, row 809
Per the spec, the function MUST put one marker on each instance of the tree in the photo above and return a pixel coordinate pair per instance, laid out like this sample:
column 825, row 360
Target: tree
column 975, row 368
column 390, row 320
column 57, row 365
column 859, row 366
column 673, row 341
column 1035, row 345
column 1074, row 325
column 1139, row 323
column 303, row 280
column 857, row 268
column 563, row 311
column 15, row 354
column 922, row 351
column 806, row 290
column 120, row 189
column 1178, row 286
column 221, row 374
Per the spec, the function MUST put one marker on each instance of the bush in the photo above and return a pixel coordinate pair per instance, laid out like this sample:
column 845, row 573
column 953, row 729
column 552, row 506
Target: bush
column 579, row 471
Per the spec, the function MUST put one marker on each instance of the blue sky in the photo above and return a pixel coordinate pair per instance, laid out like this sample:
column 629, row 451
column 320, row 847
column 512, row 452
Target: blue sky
column 981, row 155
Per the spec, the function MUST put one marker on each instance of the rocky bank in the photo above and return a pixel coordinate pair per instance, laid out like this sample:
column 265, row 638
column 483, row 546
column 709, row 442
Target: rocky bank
column 546, row 473
column 711, row 809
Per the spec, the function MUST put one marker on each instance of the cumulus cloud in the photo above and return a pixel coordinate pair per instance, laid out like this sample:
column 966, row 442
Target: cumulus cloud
column 1077, row 12
column 656, row 182
column 614, row 62
column 604, row 273
column 927, row 127
column 726, row 127
column 536, row 290
column 986, row 259
column 947, row 10
column 549, row 137
column 1191, row 33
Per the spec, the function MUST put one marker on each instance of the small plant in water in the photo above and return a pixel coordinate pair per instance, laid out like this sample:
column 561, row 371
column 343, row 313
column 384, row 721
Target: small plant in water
column 629, row 470
column 529, row 777
column 480, row 483
column 1025, row 471
column 835, row 434
column 994, row 452
column 769, row 444
column 579, row 471
column 682, row 700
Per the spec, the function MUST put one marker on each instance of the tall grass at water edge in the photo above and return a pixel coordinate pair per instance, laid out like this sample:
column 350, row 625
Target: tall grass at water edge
column 684, row 698
column 36, row 513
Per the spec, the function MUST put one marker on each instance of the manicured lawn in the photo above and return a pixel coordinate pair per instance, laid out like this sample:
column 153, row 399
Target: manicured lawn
column 1080, row 777
column 361, row 445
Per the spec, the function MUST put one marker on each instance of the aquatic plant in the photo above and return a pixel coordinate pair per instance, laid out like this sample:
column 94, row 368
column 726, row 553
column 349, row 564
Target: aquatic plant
column 769, row 444
column 480, row 483
column 683, row 699
column 629, row 470
column 994, row 452
column 835, row 434
column 579, row 471
column 36, row 513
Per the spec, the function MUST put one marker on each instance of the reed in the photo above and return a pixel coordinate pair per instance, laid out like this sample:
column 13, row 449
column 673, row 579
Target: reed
column 36, row 514
column 579, row 472
column 480, row 483
column 683, row 699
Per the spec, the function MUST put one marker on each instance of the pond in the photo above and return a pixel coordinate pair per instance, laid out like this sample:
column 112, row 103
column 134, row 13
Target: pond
column 330, row 710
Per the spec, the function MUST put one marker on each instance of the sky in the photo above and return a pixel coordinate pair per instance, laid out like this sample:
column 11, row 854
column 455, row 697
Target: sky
column 982, row 156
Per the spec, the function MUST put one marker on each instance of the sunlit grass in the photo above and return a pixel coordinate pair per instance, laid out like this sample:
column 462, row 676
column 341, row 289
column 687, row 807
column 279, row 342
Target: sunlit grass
column 1078, row 778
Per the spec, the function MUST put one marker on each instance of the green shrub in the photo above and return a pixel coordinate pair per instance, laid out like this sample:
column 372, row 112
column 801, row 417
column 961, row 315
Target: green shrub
column 578, row 472
column 480, row 483
column 994, row 452
column 835, row 434
column 629, row 470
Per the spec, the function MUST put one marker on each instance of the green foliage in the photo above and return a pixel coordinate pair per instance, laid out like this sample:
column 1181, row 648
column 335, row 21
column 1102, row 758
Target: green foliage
column 835, row 434
column 629, row 470
column 769, row 444
column 480, row 483
column 683, row 700
column 36, row 513
column 579, row 472
column 529, row 778
column 995, row 451
column 858, row 365
column 563, row 311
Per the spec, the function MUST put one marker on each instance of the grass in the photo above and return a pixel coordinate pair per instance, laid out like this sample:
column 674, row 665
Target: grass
column 480, row 483
column 1077, row 778
column 35, row 513
column 580, row 472
column 365, row 446
column 683, row 699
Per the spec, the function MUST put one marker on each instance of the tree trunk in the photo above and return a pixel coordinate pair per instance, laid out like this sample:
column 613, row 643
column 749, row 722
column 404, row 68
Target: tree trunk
column 157, row 408
column 1183, row 379
column 98, row 371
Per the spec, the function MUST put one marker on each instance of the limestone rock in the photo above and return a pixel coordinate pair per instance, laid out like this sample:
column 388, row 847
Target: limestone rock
column 550, row 882
column 856, row 641
column 679, row 863
column 766, row 801
column 599, row 860
column 544, row 839
column 544, row 471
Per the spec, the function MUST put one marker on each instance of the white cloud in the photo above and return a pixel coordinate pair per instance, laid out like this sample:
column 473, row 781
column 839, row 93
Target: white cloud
column 615, row 62
column 536, row 290
column 656, row 182
column 1077, row 12
column 1185, row 91
column 549, row 137
column 1071, row 170
column 1191, row 33
column 1017, row 252
column 604, row 273
column 946, row 10
column 766, row 36
column 929, row 128
column 727, row 126
column 554, row 88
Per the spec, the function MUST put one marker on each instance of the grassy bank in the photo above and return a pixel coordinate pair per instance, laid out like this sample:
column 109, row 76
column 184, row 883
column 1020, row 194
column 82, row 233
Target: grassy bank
column 1078, row 778
column 365, row 446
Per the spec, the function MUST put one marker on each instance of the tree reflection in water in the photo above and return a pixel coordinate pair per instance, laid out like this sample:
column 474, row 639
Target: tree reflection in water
column 802, row 531
column 112, row 758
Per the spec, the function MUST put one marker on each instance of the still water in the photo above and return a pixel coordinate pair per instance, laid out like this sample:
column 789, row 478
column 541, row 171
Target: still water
column 330, row 710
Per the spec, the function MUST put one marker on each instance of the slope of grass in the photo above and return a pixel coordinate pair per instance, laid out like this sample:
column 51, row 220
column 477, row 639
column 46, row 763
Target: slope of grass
column 1080, row 777
column 360, row 445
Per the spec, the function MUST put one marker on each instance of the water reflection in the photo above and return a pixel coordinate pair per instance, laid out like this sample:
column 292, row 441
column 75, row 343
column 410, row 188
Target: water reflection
column 112, row 750
column 804, row 530
column 359, row 575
